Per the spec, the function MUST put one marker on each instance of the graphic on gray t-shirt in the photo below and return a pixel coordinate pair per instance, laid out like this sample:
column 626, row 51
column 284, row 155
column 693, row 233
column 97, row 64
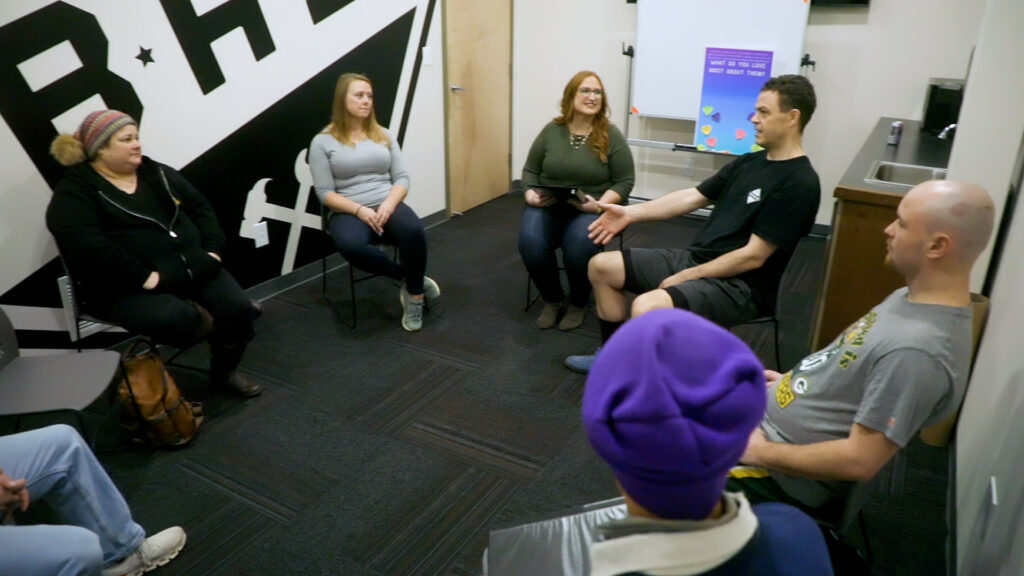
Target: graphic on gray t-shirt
column 901, row 367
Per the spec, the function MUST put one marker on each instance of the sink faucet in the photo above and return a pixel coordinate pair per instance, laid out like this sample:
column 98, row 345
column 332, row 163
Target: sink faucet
column 945, row 131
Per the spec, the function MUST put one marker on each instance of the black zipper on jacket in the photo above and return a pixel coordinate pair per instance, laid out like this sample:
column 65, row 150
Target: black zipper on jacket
column 170, row 230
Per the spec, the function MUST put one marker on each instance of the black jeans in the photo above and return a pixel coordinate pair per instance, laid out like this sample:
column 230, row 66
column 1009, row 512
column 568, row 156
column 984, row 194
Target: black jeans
column 173, row 319
column 357, row 243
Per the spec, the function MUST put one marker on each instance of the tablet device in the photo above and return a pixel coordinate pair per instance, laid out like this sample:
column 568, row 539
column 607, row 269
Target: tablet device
column 563, row 193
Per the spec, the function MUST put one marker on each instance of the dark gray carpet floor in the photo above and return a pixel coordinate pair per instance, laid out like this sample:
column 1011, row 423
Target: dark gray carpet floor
column 382, row 453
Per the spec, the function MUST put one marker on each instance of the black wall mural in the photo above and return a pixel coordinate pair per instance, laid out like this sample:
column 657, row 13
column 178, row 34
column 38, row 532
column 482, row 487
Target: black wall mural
column 255, row 172
column 267, row 147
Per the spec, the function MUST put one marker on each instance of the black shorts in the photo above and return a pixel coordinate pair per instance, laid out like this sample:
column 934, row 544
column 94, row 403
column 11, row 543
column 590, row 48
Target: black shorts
column 725, row 301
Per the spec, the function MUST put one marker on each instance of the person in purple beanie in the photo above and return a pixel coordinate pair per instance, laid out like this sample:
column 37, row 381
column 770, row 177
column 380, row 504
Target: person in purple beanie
column 669, row 405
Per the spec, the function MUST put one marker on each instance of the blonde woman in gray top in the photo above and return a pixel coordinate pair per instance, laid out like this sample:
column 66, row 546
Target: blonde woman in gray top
column 358, row 174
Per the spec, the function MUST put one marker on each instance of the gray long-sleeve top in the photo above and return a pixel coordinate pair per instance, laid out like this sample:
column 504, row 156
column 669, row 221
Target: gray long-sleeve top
column 364, row 173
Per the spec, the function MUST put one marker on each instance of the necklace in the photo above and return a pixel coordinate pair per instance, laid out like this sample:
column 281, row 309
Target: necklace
column 576, row 141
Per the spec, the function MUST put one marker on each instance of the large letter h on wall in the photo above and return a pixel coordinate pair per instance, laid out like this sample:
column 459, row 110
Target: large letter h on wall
column 196, row 34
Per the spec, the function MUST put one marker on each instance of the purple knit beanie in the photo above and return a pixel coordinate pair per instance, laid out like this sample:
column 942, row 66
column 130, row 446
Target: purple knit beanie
column 99, row 126
column 669, row 405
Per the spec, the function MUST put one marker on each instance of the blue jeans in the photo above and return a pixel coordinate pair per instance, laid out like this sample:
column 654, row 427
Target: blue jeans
column 61, row 469
column 356, row 242
column 543, row 230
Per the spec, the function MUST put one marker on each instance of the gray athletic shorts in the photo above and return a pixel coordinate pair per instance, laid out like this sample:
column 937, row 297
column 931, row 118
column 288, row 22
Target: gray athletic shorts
column 724, row 301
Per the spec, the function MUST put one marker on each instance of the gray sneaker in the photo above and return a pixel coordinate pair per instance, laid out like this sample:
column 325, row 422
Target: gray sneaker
column 430, row 288
column 412, row 311
column 157, row 550
column 582, row 363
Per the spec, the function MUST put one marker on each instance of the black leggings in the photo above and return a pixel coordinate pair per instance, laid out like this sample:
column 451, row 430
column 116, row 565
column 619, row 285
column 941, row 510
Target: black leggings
column 357, row 243
column 173, row 319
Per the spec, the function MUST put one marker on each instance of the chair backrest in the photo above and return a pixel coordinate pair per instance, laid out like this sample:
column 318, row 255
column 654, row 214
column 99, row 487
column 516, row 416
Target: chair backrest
column 70, row 306
column 79, row 325
column 787, row 272
column 940, row 434
column 8, row 340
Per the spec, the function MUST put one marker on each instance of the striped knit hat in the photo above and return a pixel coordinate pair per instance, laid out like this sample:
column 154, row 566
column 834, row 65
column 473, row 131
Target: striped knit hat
column 98, row 127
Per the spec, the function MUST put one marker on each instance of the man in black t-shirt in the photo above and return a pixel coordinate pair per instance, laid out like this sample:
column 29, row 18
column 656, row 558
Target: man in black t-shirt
column 764, row 203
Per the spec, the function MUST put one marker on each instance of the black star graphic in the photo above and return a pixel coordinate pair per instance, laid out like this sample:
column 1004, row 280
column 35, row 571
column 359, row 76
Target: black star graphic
column 145, row 56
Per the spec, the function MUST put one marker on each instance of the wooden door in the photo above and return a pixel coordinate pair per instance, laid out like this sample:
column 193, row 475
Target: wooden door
column 478, row 102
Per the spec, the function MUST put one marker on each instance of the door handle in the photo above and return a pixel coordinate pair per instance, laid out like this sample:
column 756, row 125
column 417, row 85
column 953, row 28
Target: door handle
column 456, row 88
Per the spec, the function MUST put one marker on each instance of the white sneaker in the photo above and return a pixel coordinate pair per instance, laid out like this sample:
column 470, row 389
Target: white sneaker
column 157, row 550
column 412, row 311
column 430, row 288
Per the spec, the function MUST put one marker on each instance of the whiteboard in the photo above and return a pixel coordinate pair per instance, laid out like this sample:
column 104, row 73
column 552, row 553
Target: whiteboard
column 671, row 36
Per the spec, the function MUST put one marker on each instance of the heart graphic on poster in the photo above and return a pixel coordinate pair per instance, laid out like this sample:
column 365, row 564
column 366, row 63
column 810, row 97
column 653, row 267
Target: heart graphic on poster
column 741, row 133
column 756, row 148
column 712, row 141
column 717, row 117
column 708, row 110
column 750, row 117
column 706, row 129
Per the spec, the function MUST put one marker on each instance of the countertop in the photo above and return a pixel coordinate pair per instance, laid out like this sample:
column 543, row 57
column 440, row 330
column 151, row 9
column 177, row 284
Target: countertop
column 915, row 147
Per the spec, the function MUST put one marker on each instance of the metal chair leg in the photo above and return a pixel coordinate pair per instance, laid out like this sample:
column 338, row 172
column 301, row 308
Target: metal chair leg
column 352, row 293
column 868, row 556
column 528, row 290
column 530, row 298
column 323, row 277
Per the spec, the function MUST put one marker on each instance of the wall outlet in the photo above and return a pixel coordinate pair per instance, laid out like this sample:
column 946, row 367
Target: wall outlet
column 261, row 234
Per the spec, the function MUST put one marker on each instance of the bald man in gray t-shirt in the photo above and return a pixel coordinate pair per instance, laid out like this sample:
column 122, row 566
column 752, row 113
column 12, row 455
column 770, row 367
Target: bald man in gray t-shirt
column 901, row 367
column 842, row 413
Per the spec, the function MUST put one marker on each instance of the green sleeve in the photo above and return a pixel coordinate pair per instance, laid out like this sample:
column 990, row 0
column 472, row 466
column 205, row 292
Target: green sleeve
column 535, row 159
column 620, row 164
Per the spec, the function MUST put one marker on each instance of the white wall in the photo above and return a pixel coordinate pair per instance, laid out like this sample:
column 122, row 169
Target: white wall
column 870, row 62
column 551, row 41
column 424, row 138
column 992, row 421
column 876, row 62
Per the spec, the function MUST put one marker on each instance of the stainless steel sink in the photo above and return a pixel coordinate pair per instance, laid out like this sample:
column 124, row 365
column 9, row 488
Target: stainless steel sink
column 903, row 174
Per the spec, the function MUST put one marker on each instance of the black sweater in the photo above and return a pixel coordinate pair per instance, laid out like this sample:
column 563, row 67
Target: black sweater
column 110, row 248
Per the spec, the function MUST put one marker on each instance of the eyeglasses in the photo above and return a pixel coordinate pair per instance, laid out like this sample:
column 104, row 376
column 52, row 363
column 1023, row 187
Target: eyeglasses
column 589, row 91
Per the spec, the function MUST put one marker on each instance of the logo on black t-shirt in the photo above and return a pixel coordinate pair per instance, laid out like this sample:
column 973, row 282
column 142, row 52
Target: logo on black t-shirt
column 754, row 196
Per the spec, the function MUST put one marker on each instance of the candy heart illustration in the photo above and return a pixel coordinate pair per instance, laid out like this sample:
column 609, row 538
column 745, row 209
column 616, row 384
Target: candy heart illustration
column 708, row 110
column 712, row 141
column 717, row 117
column 750, row 117
column 756, row 148
column 701, row 147
column 706, row 129
column 741, row 133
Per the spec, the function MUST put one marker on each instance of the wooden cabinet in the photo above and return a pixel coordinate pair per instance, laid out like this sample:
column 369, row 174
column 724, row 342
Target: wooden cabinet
column 856, row 276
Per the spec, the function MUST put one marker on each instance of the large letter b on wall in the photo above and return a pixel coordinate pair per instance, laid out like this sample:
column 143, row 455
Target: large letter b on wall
column 29, row 112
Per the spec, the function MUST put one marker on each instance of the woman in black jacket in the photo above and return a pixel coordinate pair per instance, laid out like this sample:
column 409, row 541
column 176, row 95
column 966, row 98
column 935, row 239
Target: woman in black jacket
column 144, row 247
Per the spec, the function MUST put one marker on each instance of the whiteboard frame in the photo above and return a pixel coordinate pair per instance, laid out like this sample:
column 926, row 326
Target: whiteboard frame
column 677, row 33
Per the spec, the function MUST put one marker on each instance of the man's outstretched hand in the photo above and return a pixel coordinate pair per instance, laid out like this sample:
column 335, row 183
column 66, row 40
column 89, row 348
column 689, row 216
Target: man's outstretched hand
column 613, row 221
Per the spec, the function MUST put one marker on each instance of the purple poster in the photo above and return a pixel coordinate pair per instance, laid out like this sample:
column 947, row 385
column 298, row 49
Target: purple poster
column 732, row 81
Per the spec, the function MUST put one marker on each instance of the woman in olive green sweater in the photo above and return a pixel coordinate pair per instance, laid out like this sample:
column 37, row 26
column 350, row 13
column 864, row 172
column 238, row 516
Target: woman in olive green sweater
column 578, row 149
